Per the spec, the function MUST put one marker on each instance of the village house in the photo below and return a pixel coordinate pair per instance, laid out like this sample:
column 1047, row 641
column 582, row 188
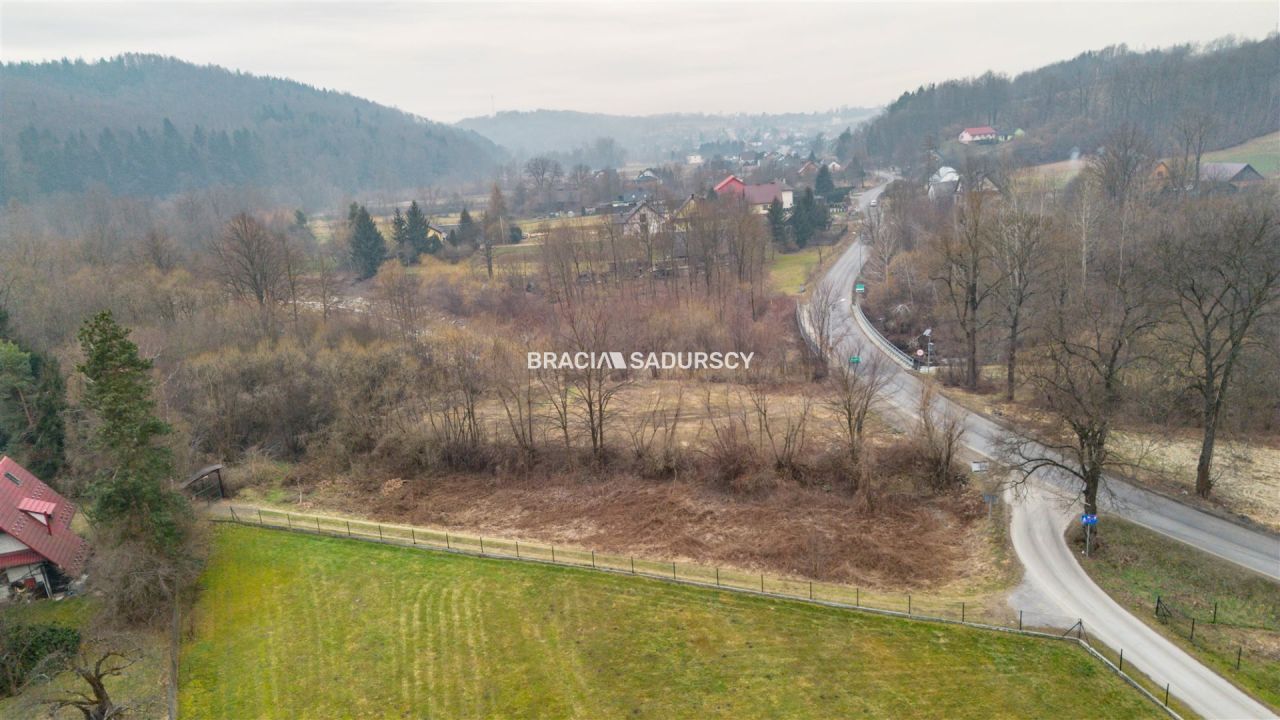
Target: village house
column 980, row 134
column 1213, row 175
column 38, row 551
column 759, row 196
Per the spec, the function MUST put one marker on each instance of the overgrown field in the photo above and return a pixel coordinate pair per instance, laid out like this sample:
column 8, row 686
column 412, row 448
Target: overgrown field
column 1135, row 565
column 295, row 626
column 1261, row 152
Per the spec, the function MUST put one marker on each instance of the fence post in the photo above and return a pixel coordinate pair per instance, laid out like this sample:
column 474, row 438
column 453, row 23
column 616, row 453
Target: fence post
column 761, row 582
column 962, row 612
column 810, row 589
column 673, row 570
column 553, row 553
column 482, row 545
column 1157, row 606
column 593, row 559
column 1019, row 620
column 317, row 523
column 517, row 549
column 1121, row 659
column 908, row 604
column 633, row 564
column 1238, row 651
column 1193, row 630
column 857, row 597
column 1215, row 612
column 1080, row 633
column 259, row 516
column 379, row 531
column 288, row 520
column 447, row 544
column 1166, row 694
column 348, row 528
column 717, row 576
column 233, row 513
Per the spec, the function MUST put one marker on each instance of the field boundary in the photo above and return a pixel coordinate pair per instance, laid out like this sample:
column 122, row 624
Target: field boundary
column 429, row 540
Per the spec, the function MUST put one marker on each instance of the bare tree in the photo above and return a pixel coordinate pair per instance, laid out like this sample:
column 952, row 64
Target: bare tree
column 819, row 314
column 966, row 273
column 1219, row 263
column 941, row 436
column 249, row 261
column 1121, row 167
column 398, row 293
column 855, row 392
column 1021, row 258
column 1191, row 132
column 1091, row 345
column 96, row 703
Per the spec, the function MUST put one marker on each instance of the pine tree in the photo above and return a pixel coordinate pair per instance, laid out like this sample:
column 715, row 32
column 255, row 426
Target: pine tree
column 468, row 231
column 130, row 495
column 777, row 218
column 400, row 240
column 368, row 248
column 417, row 232
column 823, row 184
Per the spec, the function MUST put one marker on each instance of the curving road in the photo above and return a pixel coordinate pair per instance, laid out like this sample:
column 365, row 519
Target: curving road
column 1054, row 582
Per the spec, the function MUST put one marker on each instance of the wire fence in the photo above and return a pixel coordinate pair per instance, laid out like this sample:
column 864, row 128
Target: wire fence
column 905, row 605
column 1219, row 633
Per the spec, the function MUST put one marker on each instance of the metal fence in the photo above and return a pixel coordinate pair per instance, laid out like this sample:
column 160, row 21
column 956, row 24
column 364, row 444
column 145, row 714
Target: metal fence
column 1211, row 631
column 903, row 605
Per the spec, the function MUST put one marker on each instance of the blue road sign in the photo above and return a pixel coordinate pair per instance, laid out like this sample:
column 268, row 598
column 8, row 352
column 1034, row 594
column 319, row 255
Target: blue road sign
column 1088, row 519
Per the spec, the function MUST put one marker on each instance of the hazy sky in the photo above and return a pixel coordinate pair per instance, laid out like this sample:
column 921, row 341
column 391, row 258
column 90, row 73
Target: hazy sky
column 449, row 61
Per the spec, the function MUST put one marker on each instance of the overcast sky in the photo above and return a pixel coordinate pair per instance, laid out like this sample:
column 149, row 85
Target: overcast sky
column 449, row 61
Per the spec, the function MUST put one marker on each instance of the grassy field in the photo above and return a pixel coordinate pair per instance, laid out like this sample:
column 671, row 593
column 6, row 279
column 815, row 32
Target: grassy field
column 1135, row 565
column 1263, row 153
column 295, row 626
column 789, row 272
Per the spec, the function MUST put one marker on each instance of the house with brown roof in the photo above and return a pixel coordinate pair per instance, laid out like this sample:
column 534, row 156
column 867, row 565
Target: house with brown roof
column 38, row 551
column 758, row 196
column 1236, row 174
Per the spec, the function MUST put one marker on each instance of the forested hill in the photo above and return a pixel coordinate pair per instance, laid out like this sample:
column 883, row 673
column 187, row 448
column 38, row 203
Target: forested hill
column 1074, row 104
column 149, row 125
column 647, row 138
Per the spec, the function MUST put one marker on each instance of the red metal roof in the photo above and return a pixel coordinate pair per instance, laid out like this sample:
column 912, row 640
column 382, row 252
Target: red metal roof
column 20, row 557
column 54, row 542
column 732, row 180
column 44, row 507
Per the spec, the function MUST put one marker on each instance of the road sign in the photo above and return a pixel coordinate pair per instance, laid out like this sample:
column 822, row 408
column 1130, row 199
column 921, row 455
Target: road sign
column 860, row 288
column 978, row 466
column 920, row 353
column 854, row 360
column 1088, row 519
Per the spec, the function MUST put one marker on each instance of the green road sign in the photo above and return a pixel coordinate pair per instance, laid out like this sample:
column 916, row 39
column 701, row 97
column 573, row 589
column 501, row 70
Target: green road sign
column 854, row 360
column 859, row 288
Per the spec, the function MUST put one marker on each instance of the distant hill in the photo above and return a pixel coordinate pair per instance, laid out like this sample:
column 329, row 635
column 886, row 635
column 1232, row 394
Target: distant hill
column 1076, row 103
column 153, row 126
column 648, row 138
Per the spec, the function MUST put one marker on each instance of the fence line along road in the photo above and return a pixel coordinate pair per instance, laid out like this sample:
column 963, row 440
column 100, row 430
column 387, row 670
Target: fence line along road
column 905, row 606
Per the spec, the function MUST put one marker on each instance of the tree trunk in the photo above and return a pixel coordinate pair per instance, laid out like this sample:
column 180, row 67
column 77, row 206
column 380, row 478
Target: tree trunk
column 1204, row 480
column 1011, row 364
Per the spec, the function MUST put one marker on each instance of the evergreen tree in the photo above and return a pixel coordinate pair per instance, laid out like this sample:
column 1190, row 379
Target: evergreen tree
column 368, row 248
column 807, row 218
column 407, row 254
column 32, row 398
column 493, row 226
column 417, row 232
column 777, row 219
column 468, row 230
column 130, row 495
column 823, row 184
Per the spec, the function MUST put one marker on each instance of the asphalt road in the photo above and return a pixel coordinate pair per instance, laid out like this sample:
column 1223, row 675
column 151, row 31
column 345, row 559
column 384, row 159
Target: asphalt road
column 1054, row 583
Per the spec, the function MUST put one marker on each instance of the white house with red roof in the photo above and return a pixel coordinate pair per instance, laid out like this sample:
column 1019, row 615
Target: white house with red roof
column 37, row 548
column 982, row 133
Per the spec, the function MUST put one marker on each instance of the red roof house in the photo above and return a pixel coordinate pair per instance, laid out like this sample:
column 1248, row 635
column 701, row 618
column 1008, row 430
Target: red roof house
column 35, row 528
column 757, row 196
column 982, row 133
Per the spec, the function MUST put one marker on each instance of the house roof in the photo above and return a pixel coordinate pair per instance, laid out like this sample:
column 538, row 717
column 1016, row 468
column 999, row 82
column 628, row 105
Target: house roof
column 22, row 493
column 18, row 558
column 731, row 180
column 981, row 130
column 1225, row 172
column 763, row 194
